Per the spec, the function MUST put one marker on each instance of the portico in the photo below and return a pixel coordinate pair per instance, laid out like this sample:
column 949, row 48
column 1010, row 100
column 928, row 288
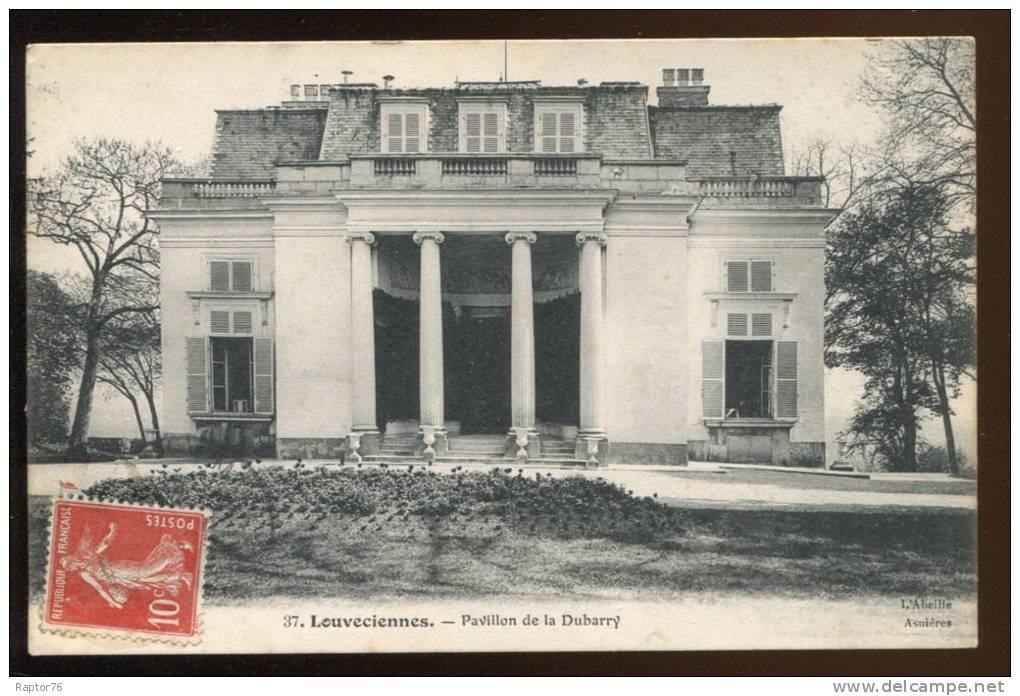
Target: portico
column 480, row 289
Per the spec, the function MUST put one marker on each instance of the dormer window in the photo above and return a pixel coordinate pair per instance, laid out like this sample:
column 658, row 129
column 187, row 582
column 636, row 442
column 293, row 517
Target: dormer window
column 558, row 127
column 404, row 127
column 482, row 127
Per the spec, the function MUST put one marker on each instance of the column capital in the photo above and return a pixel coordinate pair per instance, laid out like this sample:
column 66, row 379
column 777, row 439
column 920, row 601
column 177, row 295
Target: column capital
column 366, row 237
column 598, row 237
column 436, row 237
column 529, row 237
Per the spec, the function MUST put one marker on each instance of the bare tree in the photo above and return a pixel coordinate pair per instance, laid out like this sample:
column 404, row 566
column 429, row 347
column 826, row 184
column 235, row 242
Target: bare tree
column 847, row 170
column 926, row 89
column 95, row 204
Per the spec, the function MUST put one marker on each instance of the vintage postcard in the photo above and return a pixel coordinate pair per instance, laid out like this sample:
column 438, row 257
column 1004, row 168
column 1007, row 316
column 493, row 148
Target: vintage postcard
column 501, row 346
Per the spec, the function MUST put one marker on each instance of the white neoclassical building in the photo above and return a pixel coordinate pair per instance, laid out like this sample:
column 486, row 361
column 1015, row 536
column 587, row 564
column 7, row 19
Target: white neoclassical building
column 494, row 270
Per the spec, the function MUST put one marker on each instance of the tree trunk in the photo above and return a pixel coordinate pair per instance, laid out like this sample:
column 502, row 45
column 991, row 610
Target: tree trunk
column 157, row 442
column 939, row 377
column 138, row 415
column 78, row 446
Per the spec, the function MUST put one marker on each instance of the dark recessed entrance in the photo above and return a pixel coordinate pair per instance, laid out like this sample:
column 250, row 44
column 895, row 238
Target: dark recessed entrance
column 478, row 361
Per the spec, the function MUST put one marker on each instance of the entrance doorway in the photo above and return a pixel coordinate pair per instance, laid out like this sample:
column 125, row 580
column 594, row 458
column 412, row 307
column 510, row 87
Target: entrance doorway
column 748, row 379
column 480, row 367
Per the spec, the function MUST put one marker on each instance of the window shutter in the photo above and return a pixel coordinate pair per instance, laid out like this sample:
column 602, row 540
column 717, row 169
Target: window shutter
column 548, row 132
column 219, row 276
column 567, row 132
column 242, row 322
column 394, row 130
column 736, row 324
column 411, row 134
column 263, row 375
column 786, row 379
column 473, row 132
column 197, row 375
column 491, row 131
column 219, row 322
column 712, row 379
column 736, row 276
column 241, row 280
column 761, row 324
column 761, row 276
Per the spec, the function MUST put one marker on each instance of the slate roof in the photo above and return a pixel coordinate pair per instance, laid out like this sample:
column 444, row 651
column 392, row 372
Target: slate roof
column 705, row 136
column 250, row 143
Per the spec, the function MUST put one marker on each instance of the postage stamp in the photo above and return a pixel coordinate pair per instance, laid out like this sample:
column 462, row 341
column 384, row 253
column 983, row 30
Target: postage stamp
column 124, row 569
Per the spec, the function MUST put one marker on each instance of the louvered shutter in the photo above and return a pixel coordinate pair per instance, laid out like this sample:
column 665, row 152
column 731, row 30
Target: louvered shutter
column 263, row 375
column 411, row 133
column 473, row 132
column 219, row 276
column 490, row 126
column 219, row 322
column 761, row 324
column 197, row 375
column 567, row 131
column 240, row 276
column 786, row 379
column 736, row 276
column 394, row 130
column 736, row 324
column 761, row 276
column 242, row 322
column 712, row 358
column 548, row 132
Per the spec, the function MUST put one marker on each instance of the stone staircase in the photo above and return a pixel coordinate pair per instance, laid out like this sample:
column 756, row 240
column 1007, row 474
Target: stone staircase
column 486, row 450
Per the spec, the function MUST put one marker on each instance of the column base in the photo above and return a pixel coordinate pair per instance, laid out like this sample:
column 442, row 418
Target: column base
column 523, row 444
column 432, row 442
column 591, row 447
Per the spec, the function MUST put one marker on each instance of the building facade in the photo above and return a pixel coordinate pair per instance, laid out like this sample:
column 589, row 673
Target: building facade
column 497, row 270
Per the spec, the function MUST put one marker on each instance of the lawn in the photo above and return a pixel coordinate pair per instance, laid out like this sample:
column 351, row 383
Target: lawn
column 368, row 533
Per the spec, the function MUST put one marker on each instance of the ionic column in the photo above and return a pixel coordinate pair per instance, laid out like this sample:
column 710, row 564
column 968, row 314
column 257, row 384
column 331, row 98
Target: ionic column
column 592, row 427
column 365, row 435
column 522, row 343
column 430, row 345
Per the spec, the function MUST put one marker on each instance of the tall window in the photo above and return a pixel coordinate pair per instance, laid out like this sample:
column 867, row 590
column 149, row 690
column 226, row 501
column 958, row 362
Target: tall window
column 232, row 375
column 404, row 127
column 748, row 379
column 230, row 276
column 482, row 127
column 558, row 128
column 749, row 275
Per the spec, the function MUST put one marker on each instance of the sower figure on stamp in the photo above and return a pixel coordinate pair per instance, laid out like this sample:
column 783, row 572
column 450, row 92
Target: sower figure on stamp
column 162, row 569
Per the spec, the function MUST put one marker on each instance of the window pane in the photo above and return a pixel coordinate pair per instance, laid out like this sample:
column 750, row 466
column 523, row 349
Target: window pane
column 474, row 124
column 219, row 276
column 411, row 125
column 219, row 322
column 491, row 123
column 567, row 125
column 761, row 324
column 548, row 124
column 761, row 276
column 566, row 144
column 736, row 324
column 492, row 144
column 242, row 276
column 736, row 276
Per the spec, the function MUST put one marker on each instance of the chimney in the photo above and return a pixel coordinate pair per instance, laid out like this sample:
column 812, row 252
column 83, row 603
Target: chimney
column 346, row 74
column 683, row 87
column 387, row 79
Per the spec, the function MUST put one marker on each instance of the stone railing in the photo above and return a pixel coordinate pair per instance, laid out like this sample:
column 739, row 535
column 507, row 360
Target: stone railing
column 459, row 170
column 760, row 187
column 217, row 188
column 488, row 166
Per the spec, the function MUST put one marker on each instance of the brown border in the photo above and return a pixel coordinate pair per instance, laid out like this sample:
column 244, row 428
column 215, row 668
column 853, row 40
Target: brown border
column 991, row 30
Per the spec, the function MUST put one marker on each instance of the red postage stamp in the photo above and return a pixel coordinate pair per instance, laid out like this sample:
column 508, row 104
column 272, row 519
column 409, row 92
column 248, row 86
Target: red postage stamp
column 125, row 568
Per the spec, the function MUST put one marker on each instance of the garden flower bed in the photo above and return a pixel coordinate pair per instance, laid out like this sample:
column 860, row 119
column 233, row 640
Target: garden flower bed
column 377, row 532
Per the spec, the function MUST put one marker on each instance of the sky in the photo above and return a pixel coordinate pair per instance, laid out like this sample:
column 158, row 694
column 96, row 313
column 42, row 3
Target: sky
column 169, row 93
